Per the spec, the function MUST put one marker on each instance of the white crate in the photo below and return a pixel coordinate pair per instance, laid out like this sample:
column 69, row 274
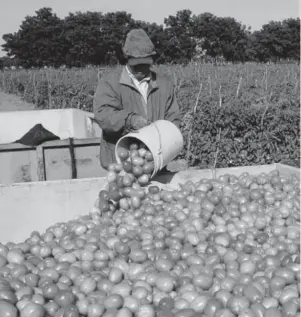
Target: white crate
column 65, row 123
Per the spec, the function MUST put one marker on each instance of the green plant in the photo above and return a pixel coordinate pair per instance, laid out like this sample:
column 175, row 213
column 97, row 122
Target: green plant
column 233, row 115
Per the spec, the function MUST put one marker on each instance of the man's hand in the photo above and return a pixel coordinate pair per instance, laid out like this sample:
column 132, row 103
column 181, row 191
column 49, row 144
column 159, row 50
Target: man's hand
column 138, row 122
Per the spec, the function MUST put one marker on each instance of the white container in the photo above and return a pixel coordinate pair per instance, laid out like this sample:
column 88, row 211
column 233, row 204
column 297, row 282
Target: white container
column 27, row 207
column 163, row 139
column 65, row 123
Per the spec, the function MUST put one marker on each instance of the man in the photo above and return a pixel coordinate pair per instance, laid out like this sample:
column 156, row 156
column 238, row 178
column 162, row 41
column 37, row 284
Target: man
column 133, row 98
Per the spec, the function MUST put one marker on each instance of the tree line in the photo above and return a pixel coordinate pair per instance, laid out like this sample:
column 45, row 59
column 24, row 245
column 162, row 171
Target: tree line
column 94, row 38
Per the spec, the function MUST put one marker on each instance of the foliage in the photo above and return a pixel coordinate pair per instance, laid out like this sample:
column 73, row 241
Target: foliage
column 39, row 38
column 245, row 115
column 278, row 40
column 94, row 38
column 180, row 44
column 222, row 36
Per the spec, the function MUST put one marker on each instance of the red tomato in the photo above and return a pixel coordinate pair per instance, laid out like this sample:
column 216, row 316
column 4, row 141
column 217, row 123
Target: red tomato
column 123, row 153
column 149, row 156
column 7, row 309
column 127, row 166
column 134, row 146
column 64, row 298
column 32, row 310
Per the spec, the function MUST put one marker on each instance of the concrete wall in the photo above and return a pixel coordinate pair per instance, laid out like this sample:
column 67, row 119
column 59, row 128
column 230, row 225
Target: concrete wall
column 64, row 123
column 34, row 206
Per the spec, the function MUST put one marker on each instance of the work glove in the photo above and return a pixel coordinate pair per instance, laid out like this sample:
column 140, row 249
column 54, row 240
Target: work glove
column 137, row 122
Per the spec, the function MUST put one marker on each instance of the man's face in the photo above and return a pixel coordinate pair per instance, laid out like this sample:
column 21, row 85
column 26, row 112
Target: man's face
column 140, row 71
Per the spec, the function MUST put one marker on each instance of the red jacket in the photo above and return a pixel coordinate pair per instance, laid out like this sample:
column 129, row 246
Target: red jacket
column 117, row 98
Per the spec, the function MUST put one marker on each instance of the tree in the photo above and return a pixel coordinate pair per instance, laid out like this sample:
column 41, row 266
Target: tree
column 179, row 38
column 221, row 36
column 84, row 44
column 114, row 28
column 291, row 33
column 95, row 38
column 38, row 41
column 278, row 40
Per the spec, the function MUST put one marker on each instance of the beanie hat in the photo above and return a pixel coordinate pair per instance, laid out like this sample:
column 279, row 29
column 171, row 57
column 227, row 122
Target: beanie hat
column 139, row 47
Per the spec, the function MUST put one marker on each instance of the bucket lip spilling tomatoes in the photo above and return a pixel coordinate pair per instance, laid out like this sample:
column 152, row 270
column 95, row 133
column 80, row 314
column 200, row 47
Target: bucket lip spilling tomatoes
column 228, row 246
column 136, row 159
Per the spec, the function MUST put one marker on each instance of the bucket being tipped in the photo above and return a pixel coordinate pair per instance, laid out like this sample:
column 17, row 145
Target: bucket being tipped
column 163, row 139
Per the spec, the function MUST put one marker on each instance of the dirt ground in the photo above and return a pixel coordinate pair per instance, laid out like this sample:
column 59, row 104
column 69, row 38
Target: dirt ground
column 13, row 103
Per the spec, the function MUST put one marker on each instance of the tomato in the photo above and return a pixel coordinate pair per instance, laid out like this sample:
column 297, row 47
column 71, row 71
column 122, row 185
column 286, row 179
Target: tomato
column 88, row 285
column 212, row 306
column 237, row 304
column 290, row 309
column 137, row 161
column 165, row 282
column 220, row 247
column 124, row 312
column 252, row 294
column 135, row 202
column 137, row 171
column 204, row 281
column 273, row 312
column 166, row 303
column 51, row 308
column 132, row 303
column 95, row 310
column 8, row 296
column 114, row 195
column 127, row 166
column 104, row 194
column 148, row 167
column 185, row 312
column 149, row 156
column 146, row 311
column 143, row 180
column 64, row 298
column 113, row 301
column 127, row 180
column 115, row 275
column 15, row 256
column 123, row 153
column 7, row 309
column 134, row 146
column 32, row 310
column 111, row 177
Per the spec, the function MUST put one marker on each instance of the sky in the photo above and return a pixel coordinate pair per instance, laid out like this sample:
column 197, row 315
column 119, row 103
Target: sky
column 252, row 13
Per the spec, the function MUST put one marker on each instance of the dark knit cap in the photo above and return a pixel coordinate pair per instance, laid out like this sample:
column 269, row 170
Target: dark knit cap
column 138, row 47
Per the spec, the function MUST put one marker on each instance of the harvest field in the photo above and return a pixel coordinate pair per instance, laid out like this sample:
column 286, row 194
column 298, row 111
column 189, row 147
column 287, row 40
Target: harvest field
column 222, row 247
column 233, row 115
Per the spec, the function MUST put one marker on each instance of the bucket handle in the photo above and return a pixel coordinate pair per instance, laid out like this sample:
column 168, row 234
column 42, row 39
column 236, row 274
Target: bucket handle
column 160, row 154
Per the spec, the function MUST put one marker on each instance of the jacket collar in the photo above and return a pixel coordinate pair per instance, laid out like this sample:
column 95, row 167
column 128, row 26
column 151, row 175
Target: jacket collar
column 125, row 79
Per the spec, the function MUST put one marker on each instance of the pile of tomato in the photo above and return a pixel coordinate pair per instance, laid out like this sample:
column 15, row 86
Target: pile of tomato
column 221, row 247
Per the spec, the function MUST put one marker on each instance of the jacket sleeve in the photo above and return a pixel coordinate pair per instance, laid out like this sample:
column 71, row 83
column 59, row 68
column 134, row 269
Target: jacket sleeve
column 172, row 111
column 108, row 110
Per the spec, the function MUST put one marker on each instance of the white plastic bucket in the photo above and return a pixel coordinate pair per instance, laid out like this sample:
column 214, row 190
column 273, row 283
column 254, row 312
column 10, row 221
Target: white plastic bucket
column 163, row 139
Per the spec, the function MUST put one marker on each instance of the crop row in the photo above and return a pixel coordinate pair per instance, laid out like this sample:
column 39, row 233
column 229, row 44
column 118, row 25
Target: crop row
column 232, row 115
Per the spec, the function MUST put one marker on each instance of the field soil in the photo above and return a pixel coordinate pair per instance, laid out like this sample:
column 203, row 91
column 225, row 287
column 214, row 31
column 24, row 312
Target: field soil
column 13, row 103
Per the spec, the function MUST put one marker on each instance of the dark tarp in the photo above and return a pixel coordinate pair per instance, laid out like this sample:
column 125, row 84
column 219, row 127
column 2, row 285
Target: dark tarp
column 36, row 136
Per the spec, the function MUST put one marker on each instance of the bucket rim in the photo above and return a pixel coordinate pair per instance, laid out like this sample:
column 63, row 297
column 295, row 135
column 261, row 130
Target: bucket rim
column 158, row 157
column 129, row 136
